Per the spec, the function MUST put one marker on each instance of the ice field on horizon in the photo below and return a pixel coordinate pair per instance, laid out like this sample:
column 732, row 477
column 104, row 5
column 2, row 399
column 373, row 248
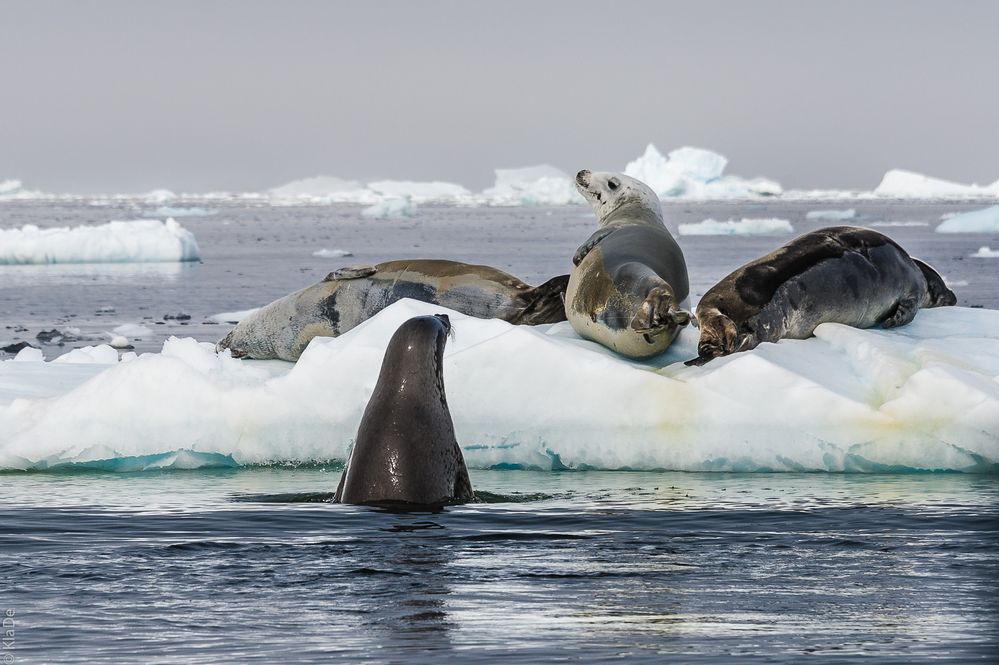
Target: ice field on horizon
column 921, row 397
column 139, row 241
column 737, row 227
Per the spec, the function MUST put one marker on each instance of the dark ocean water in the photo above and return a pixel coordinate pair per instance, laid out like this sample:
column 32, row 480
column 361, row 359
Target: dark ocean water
column 253, row 565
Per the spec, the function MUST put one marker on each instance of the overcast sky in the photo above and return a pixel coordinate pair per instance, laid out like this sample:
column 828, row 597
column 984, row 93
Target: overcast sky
column 200, row 95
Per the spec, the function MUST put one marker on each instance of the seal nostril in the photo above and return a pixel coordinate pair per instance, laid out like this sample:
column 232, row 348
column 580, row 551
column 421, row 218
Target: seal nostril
column 583, row 178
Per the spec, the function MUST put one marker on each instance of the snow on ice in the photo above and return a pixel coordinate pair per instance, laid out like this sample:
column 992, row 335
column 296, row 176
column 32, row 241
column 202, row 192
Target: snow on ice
column 922, row 397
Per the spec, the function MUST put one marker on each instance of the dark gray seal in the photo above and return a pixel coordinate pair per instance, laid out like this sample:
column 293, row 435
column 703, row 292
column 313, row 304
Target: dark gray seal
column 350, row 296
column 405, row 451
column 629, row 288
column 840, row 274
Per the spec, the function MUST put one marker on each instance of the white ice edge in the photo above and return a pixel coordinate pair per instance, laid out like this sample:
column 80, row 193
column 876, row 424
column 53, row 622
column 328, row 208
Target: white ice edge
column 923, row 397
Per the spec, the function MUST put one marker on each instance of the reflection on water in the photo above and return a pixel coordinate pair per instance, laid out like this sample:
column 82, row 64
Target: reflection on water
column 60, row 274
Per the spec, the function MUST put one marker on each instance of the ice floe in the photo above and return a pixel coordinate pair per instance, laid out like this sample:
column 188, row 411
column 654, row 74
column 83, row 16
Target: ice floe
column 922, row 397
column 13, row 190
column 137, row 241
column 831, row 215
column 741, row 227
column 132, row 330
column 986, row 253
column 902, row 184
column 178, row 211
column 232, row 317
column 902, row 223
column 332, row 253
column 985, row 220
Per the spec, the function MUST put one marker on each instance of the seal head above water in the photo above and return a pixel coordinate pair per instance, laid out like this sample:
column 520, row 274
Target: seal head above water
column 406, row 452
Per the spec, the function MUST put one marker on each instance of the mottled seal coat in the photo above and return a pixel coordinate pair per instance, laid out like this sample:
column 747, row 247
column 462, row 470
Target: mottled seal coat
column 629, row 288
column 353, row 295
column 840, row 274
column 405, row 451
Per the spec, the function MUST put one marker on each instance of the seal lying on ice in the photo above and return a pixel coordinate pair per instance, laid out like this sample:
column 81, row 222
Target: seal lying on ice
column 840, row 274
column 629, row 288
column 405, row 451
column 350, row 296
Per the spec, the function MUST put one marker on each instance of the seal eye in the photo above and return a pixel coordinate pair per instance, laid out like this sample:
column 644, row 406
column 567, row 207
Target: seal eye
column 613, row 184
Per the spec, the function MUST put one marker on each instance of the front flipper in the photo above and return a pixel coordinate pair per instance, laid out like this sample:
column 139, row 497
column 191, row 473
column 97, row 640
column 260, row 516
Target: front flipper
column 905, row 312
column 351, row 272
column 590, row 243
column 658, row 312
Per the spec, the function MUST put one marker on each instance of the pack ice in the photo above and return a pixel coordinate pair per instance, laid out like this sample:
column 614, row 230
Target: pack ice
column 924, row 397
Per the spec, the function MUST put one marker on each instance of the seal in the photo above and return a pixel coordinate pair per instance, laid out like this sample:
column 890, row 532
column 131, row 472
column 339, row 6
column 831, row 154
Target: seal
column 628, row 290
column 405, row 451
column 350, row 296
column 840, row 274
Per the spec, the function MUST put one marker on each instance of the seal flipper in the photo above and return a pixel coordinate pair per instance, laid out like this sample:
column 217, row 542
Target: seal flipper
column 590, row 243
column 542, row 304
column 351, row 272
column 657, row 311
column 905, row 312
column 463, row 492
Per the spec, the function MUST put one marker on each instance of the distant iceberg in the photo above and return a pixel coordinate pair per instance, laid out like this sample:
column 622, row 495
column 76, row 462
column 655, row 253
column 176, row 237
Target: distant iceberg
column 902, row 184
column 986, row 253
column 921, row 397
column 13, row 190
column 533, row 185
column 145, row 240
column 391, row 208
column 831, row 215
column 321, row 190
column 742, row 227
column 985, row 220
column 421, row 192
column 695, row 173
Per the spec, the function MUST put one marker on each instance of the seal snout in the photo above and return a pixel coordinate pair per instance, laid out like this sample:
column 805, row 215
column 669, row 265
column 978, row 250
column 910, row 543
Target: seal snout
column 583, row 178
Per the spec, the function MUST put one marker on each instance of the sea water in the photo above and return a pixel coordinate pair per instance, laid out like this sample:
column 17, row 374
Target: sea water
column 252, row 564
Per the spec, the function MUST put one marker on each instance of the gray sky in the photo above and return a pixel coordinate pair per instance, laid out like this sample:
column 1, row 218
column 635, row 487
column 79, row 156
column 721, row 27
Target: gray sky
column 127, row 96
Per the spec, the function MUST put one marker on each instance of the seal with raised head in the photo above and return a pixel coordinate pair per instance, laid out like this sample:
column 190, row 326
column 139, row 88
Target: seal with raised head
column 350, row 296
column 840, row 274
column 628, row 290
column 405, row 451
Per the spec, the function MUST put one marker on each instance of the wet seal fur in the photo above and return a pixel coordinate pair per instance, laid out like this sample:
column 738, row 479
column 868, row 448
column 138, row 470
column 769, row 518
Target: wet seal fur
column 840, row 274
column 350, row 296
column 629, row 288
column 405, row 452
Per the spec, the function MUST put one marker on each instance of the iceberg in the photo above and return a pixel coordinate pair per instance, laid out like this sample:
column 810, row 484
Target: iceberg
column 985, row 220
column 986, row 253
column 922, row 397
column 831, row 215
column 695, row 173
column 137, row 241
column 391, row 208
column 902, row 184
column 232, row 317
column 742, row 227
column 533, row 185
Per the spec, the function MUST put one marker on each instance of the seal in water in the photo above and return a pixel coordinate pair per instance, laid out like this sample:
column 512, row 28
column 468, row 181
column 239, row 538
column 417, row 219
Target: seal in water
column 350, row 296
column 629, row 288
column 840, row 274
column 405, row 451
